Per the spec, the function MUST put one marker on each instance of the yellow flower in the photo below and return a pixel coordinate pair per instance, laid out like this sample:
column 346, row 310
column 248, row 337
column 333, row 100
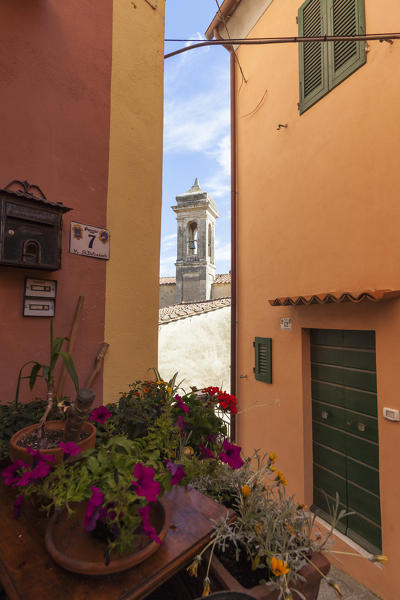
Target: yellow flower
column 335, row 587
column 379, row 558
column 161, row 382
column 281, row 478
column 169, row 390
column 258, row 528
column 272, row 457
column 279, row 567
column 206, row 588
column 272, row 468
column 192, row 568
column 245, row 491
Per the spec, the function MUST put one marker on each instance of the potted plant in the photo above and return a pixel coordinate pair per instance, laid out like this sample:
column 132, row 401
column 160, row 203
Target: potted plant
column 45, row 434
column 272, row 550
column 114, row 491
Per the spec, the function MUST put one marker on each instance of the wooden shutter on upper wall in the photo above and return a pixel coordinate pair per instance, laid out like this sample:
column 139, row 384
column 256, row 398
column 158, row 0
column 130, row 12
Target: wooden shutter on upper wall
column 346, row 17
column 312, row 55
column 263, row 359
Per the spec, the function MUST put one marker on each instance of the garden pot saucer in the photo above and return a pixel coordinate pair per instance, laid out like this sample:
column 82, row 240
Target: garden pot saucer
column 20, row 453
column 72, row 548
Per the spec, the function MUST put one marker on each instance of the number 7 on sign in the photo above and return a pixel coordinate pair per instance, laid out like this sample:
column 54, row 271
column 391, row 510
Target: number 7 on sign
column 92, row 237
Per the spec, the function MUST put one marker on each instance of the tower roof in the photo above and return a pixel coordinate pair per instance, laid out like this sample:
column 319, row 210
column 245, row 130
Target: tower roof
column 195, row 195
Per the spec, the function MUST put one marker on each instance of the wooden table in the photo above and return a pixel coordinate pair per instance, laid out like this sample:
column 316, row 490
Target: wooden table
column 27, row 572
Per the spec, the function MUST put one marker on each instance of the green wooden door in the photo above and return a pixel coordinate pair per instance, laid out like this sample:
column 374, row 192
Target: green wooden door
column 345, row 430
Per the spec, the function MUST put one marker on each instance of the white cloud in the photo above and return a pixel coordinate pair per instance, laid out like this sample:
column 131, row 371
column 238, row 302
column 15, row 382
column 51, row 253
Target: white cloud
column 169, row 241
column 222, row 251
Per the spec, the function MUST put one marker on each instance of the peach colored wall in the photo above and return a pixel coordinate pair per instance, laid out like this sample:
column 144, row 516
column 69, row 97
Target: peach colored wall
column 55, row 70
column 318, row 202
column 134, row 194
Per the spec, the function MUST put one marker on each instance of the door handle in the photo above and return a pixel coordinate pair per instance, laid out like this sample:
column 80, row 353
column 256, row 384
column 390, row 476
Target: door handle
column 361, row 426
column 324, row 414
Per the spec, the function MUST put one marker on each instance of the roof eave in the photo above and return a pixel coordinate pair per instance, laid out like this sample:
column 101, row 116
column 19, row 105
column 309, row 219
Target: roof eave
column 224, row 13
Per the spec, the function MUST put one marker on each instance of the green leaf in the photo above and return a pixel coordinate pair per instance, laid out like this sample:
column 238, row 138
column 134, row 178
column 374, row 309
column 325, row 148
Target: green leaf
column 34, row 373
column 69, row 365
column 29, row 362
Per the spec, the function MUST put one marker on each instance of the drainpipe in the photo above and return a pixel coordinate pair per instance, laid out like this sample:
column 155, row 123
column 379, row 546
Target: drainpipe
column 233, row 227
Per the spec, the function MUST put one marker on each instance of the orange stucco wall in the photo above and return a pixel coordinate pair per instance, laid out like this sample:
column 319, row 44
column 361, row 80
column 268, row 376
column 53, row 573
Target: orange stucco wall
column 81, row 116
column 318, row 210
column 55, row 71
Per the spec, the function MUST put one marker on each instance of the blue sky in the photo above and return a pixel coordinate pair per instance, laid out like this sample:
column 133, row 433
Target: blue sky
column 196, row 126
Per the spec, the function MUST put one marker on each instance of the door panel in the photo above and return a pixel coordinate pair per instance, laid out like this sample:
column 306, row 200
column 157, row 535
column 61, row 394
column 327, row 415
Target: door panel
column 345, row 429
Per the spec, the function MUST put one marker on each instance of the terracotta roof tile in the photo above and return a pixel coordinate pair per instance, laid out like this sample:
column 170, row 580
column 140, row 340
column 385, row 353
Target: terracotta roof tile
column 167, row 280
column 223, row 278
column 336, row 297
column 190, row 309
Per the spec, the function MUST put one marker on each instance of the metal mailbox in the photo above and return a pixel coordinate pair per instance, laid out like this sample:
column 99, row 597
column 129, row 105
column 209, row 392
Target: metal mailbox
column 30, row 227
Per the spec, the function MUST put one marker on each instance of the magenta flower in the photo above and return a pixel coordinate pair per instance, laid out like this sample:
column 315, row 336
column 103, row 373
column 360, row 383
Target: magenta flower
column 181, row 404
column 145, row 485
column 12, row 474
column 177, row 472
column 181, row 424
column 100, row 414
column 70, row 448
column 38, row 455
column 206, row 452
column 17, row 507
column 148, row 528
column 212, row 438
column 93, row 510
column 231, row 455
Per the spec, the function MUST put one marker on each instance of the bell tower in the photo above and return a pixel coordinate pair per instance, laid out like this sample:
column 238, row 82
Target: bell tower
column 196, row 213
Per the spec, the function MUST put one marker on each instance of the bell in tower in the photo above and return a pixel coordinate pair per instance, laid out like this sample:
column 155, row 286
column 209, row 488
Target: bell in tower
column 196, row 213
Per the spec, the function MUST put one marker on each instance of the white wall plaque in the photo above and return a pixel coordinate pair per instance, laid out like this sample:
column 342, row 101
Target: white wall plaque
column 286, row 323
column 88, row 240
column 40, row 288
column 39, row 307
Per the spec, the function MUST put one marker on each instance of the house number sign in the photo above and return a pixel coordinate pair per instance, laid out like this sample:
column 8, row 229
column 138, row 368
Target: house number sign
column 91, row 241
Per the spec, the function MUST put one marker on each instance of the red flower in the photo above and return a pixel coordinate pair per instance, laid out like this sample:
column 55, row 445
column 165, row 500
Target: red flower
column 231, row 456
column 227, row 402
column 100, row 414
column 145, row 485
column 39, row 456
column 211, row 391
column 148, row 528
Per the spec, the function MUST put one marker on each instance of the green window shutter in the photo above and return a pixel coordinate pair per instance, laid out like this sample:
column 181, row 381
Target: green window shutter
column 263, row 359
column 346, row 17
column 313, row 56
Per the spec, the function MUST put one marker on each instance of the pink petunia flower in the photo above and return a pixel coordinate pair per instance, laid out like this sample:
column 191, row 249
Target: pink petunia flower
column 145, row 485
column 177, row 472
column 100, row 414
column 148, row 528
column 39, row 455
column 17, row 506
column 13, row 473
column 206, row 452
column 181, row 425
column 70, row 448
column 181, row 404
column 231, row 455
column 93, row 510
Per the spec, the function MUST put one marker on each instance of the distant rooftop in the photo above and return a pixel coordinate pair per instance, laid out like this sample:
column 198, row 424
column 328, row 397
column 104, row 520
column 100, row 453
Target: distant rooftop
column 222, row 278
column 190, row 309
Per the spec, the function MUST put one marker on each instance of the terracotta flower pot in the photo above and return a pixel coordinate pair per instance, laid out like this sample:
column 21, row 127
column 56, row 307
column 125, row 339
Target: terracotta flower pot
column 308, row 588
column 20, row 453
column 71, row 547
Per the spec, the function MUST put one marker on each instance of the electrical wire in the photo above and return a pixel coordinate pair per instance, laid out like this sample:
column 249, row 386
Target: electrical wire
column 382, row 37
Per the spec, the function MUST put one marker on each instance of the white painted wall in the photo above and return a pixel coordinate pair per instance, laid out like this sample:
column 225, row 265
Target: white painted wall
column 198, row 348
